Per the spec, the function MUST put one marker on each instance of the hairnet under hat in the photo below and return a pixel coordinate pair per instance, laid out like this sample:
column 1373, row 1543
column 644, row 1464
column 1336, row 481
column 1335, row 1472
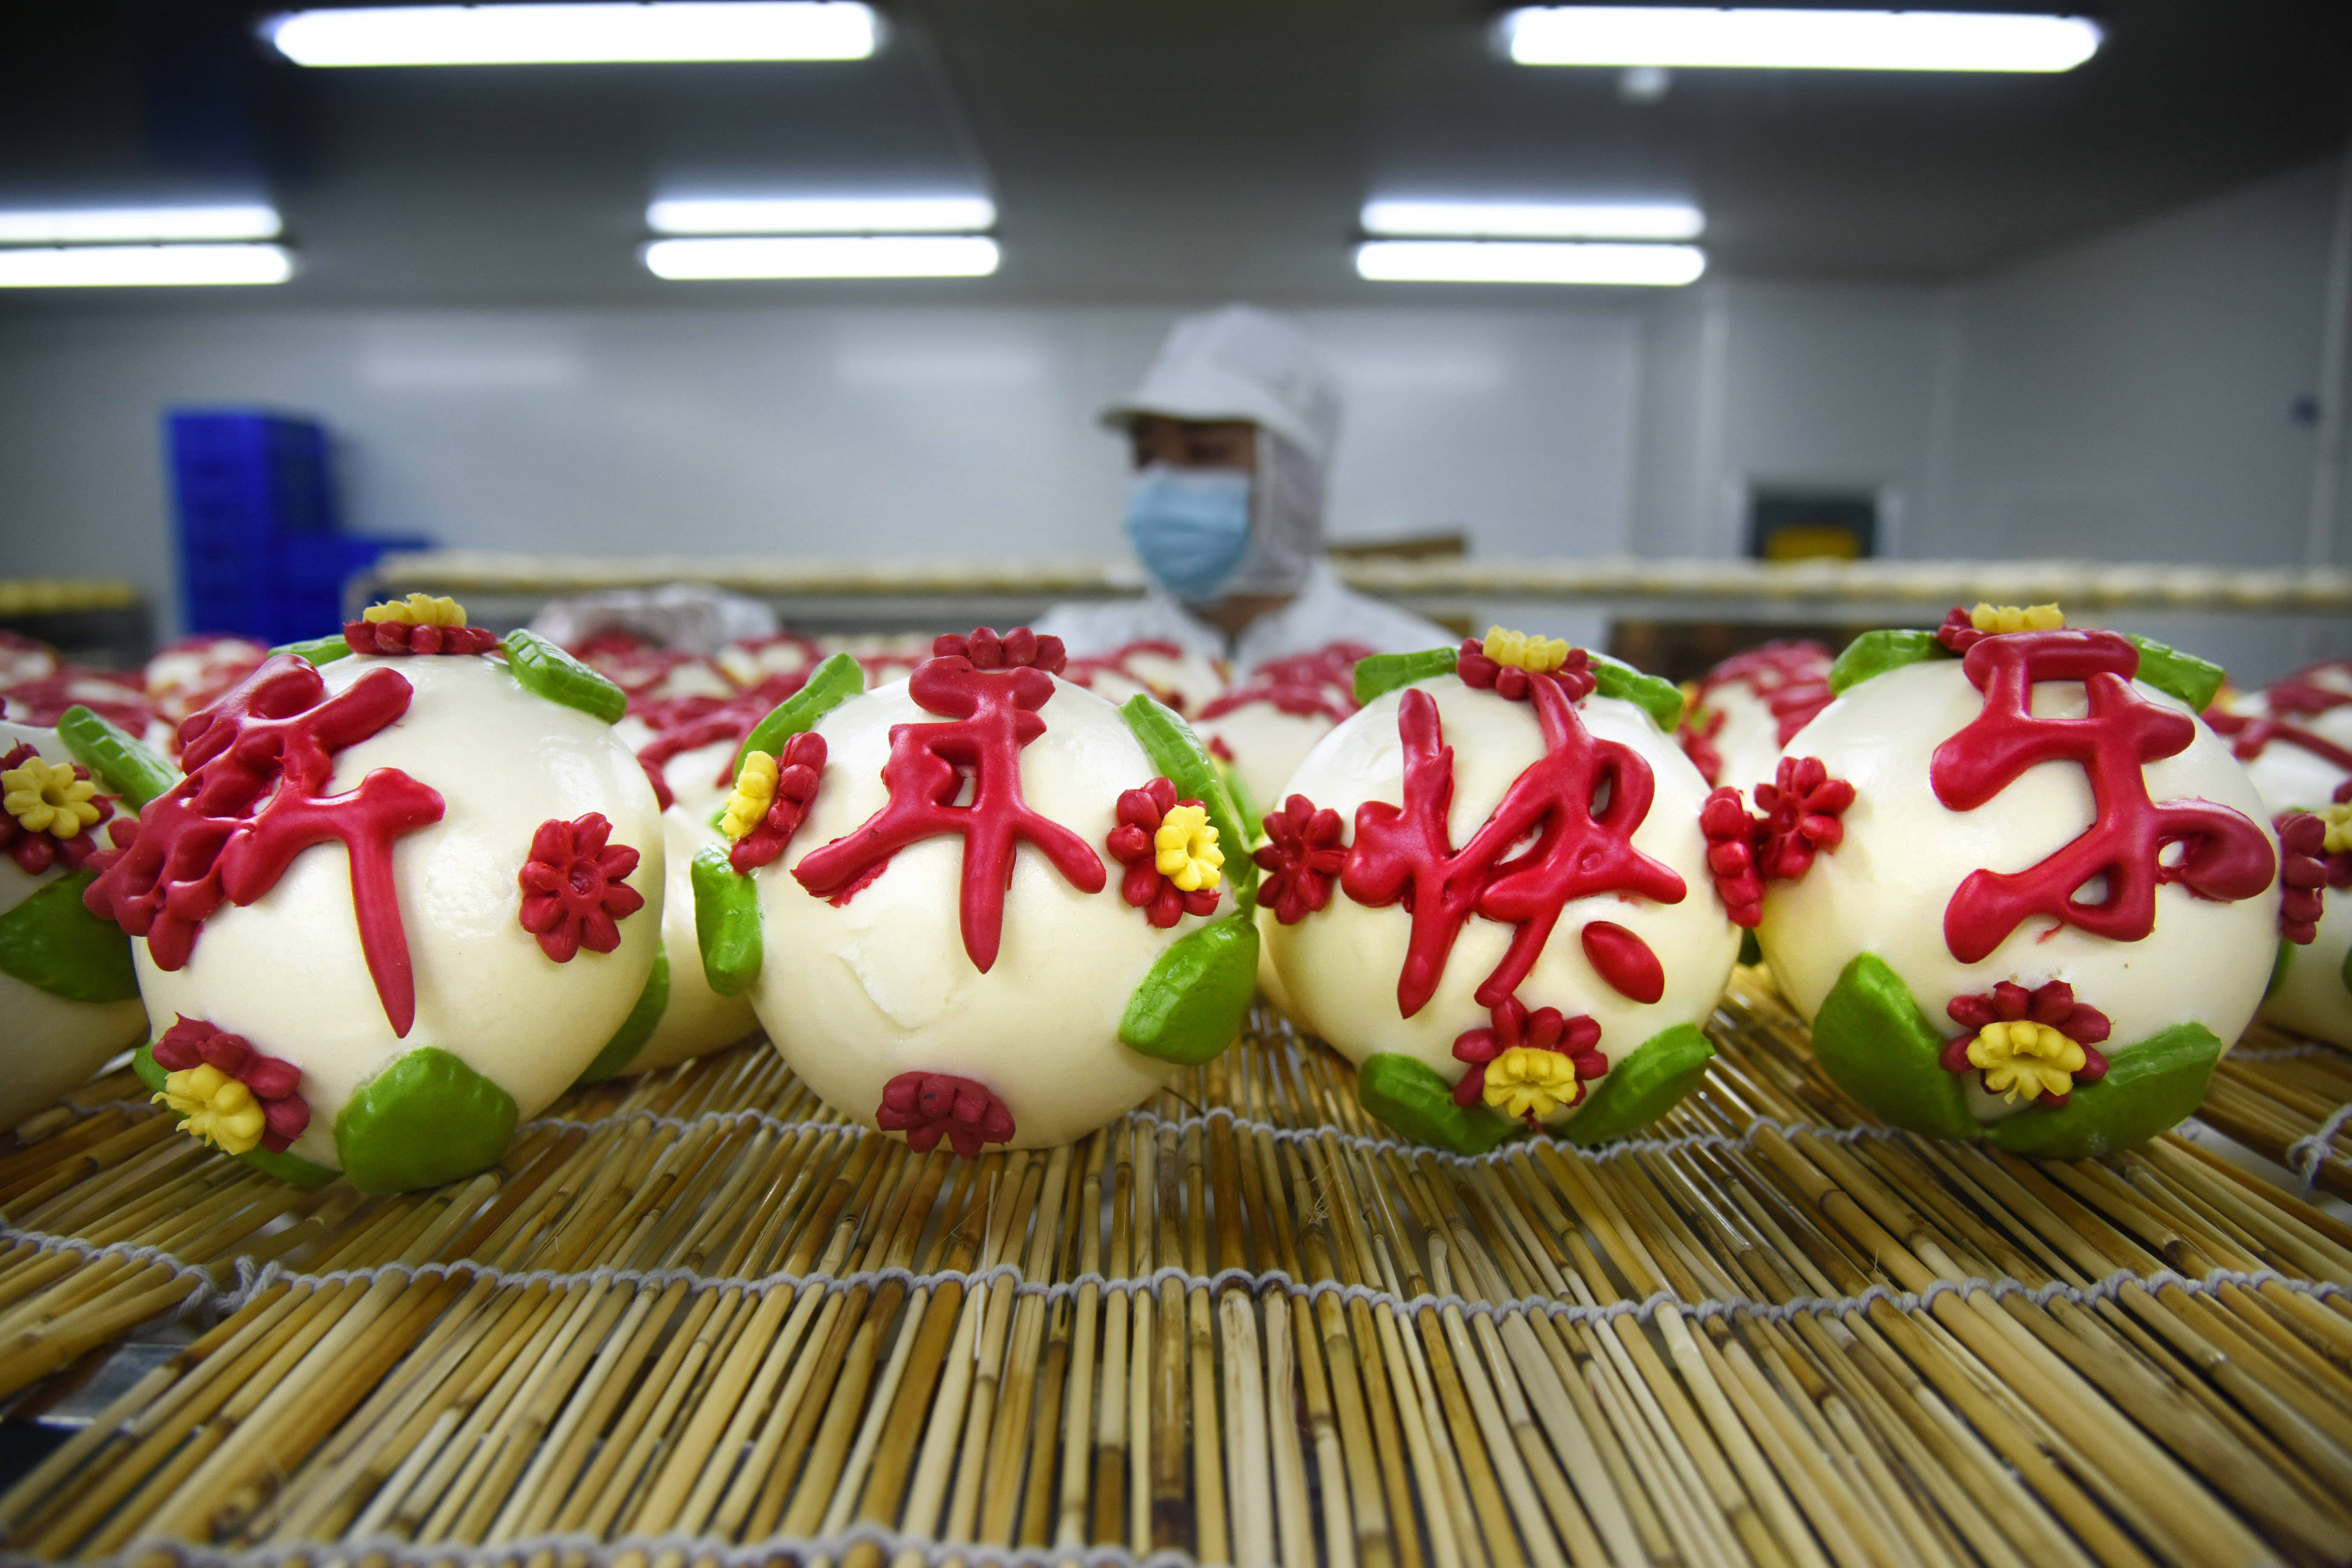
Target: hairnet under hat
column 1240, row 363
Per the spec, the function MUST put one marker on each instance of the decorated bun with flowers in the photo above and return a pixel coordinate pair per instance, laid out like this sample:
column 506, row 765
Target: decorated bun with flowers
column 980, row 905
column 66, row 988
column 1266, row 724
column 1490, row 891
column 1746, row 709
column 398, row 903
column 2294, row 737
column 2018, row 889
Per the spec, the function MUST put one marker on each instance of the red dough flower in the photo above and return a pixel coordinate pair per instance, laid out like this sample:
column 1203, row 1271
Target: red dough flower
column 1508, row 681
column 1014, row 650
column 1300, row 857
column 2052, row 1004
column 1731, row 835
column 274, row 1081
column 35, row 850
column 1800, row 816
column 1545, row 1029
column 2304, row 869
column 1959, row 632
column 798, row 768
column 572, row 892
column 396, row 638
column 1132, row 844
column 924, row 1105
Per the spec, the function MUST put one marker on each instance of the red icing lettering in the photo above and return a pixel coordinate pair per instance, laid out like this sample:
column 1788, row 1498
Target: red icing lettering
column 1622, row 958
column 1576, row 850
column 990, row 698
column 257, row 762
column 1790, row 677
column 1697, row 743
column 2224, row 855
column 2299, row 695
column 1320, row 684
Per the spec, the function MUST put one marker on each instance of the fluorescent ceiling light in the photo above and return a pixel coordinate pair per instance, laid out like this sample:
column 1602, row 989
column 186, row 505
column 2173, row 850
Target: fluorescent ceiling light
column 83, row 226
column 133, row 265
column 821, row 215
column 1692, row 36
column 832, row 255
column 667, row 30
column 1493, row 261
column 1536, row 220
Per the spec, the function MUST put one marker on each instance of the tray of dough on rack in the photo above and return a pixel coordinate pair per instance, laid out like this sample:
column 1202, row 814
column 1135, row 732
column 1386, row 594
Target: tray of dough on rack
column 695, row 1316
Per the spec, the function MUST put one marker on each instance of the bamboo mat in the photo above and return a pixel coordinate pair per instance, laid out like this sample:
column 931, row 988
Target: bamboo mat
column 695, row 1320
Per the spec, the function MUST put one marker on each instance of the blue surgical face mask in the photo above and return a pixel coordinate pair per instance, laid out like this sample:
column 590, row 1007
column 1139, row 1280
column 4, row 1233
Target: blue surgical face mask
column 1191, row 526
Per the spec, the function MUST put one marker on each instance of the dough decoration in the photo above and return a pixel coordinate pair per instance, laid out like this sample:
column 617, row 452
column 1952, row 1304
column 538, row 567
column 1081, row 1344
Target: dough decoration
column 2315, row 853
column 1528, row 1065
column 49, row 812
column 1301, row 859
column 1580, row 846
column 1790, row 677
column 1506, row 663
column 1622, row 958
column 683, row 724
column 991, row 691
column 573, row 895
column 771, row 799
column 39, row 703
column 228, row 1094
column 420, row 624
column 927, row 1105
column 1307, row 685
column 2038, row 1044
column 2298, row 696
column 1165, row 844
column 2225, row 856
column 1731, row 850
column 257, row 762
column 1963, row 629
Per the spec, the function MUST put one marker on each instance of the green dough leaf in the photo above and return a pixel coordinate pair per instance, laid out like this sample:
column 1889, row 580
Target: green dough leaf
column 318, row 650
column 2194, row 680
column 635, row 1029
column 425, row 1119
column 829, row 685
column 1406, row 1093
column 1190, row 1006
column 2279, row 967
column 1659, row 698
column 546, row 670
column 1387, row 671
column 2149, row 1086
column 291, row 1168
column 1246, row 805
column 1643, row 1086
column 726, row 921
column 1875, row 653
column 1876, row 1044
column 1181, row 758
column 52, row 942
column 118, row 761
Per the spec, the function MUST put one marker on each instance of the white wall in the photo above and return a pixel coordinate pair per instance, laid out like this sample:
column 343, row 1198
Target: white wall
column 863, row 432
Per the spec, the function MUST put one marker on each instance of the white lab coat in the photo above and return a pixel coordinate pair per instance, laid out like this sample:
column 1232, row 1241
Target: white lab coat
column 1324, row 611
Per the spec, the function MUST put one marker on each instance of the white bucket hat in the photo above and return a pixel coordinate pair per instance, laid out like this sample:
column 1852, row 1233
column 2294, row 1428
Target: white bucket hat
column 1240, row 363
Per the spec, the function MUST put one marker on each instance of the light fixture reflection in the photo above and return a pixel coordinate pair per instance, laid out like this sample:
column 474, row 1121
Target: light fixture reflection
column 87, row 225
column 828, row 255
column 592, row 34
column 143, row 266
column 1526, row 261
column 1692, row 37
column 821, row 214
column 1534, row 220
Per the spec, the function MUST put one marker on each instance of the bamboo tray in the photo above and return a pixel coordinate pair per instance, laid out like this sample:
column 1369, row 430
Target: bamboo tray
column 696, row 1320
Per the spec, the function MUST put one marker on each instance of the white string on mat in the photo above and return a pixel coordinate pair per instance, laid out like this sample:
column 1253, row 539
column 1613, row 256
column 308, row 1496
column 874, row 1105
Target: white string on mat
column 599, row 1553
column 207, row 1293
column 252, row 1281
column 689, row 1123
column 2283, row 1053
column 2304, row 1155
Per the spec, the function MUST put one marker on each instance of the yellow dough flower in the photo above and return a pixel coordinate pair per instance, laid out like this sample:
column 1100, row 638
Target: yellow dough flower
column 220, row 1110
column 1536, row 655
column 2339, row 826
column 2017, row 618
column 2024, row 1060
column 1185, row 849
column 755, row 792
column 1525, row 1081
column 418, row 610
column 46, row 797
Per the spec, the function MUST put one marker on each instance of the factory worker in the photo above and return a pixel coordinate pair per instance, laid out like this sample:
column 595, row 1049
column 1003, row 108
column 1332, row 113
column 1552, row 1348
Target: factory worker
column 1233, row 431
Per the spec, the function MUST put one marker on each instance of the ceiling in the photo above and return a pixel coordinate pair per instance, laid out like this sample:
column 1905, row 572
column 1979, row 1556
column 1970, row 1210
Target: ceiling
column 1148, row 149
